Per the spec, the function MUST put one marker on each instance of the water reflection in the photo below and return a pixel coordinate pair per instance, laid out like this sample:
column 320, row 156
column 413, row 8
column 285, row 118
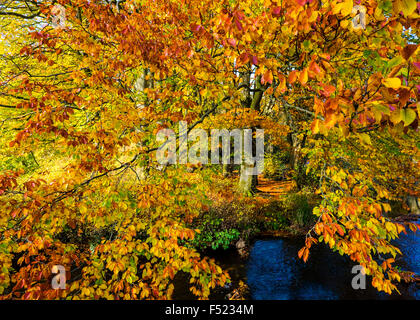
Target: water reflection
column 275, row 273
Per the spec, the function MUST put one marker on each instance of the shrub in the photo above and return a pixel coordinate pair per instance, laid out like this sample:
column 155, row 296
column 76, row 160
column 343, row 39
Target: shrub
column 225, row 223
column 298, row 207
column 276, row 165
column 210, row 237
column 274, row 217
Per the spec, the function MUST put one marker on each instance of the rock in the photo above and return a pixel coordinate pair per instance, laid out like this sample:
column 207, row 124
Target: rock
column 240, row 244
column 241, row 247
column 228, row 285
column 243, row 253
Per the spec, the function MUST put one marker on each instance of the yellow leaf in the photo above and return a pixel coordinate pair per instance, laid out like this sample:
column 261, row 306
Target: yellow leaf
column 344, row 24
column 365, row 138
column 389, row 226
column 315, row 126
column 387, row 207
column 408, row 7
column 393, row 83
column 337, row 8
column 347, row 7
column 82, row 208
column 378, row 14
column 74, row 286
column 395, row 116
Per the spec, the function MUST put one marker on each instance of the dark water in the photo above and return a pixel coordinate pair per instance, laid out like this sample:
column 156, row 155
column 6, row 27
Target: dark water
column 274, row 272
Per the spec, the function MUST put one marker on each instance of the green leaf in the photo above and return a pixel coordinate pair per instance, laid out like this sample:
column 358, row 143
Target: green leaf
column 408, row 116
column 394, row 62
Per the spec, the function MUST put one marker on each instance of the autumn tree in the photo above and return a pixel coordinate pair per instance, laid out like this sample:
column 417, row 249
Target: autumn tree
column 90, row 96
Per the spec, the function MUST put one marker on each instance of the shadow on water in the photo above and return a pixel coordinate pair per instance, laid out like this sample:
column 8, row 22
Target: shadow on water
column 229, row 260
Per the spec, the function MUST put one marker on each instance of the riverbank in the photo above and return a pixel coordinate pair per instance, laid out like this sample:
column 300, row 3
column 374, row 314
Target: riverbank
column 273, row 271
column 233, row 224
column 235, row 219
column 267, row 249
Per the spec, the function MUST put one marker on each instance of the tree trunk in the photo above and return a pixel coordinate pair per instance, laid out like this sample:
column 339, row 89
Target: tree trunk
column 296, row 145
column 140, row 85
column 227, row 169
column 248, row 182
column 413, row 204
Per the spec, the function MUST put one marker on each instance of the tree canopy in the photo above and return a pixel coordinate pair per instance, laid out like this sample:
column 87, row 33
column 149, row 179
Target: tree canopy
column 82, row 102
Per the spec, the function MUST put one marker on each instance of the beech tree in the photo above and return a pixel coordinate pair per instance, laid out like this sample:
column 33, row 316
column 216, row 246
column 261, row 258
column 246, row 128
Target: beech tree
column 96, row 90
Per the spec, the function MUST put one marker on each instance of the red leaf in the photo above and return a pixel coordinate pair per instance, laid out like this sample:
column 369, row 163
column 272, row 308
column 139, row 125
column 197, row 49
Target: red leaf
column 232, row 42
column 408, row 51
column 276, row 11
column 314, row 67
column 254, row 60
column 238, row 25
column 328, row 90
column 267, row 77
column 195, row 27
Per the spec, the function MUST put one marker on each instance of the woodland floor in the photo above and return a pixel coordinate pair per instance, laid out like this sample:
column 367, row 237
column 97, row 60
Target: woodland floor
column 273, row 188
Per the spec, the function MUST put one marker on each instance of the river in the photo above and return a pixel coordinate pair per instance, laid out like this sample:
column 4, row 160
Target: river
column 274, row 272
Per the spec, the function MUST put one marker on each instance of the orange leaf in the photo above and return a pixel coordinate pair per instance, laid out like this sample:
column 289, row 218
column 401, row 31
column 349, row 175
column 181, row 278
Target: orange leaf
column 303, row 77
